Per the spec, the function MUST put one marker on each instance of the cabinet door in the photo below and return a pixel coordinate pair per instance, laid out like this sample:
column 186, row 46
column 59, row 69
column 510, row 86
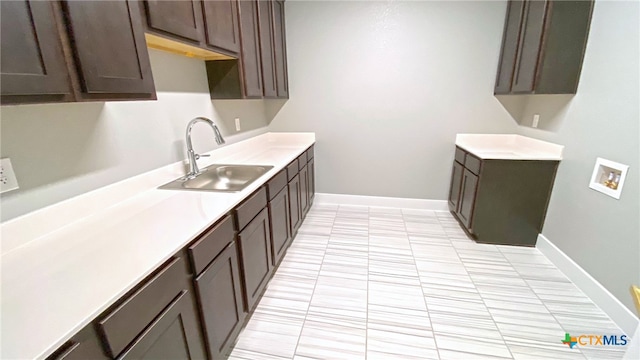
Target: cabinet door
column 280, row 223
column 265, row 22
column 84, row 345
column 173, row 334
column 529, row 51
column 280, row 50
column 110, row 48
column 181, row 18
column 467, row 197
column 294, row 204
column 220, row 297
column 221, row 25
column 304, row 190
column 311, row 188
column 454, row 187
column 255, row 252
column 32, row 61
column 250, row 57
column 510, row 41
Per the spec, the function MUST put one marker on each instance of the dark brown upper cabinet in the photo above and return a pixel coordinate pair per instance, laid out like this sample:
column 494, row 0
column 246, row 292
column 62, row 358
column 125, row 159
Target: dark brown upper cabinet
column 202, row 29
column 280, row 50
column 221, row 25
column 73, row 51
column 32, row 63
column 267, row 56
column 261, row 71
column 250, row 45
column 543, row 46
column 180, row 18
column 109, row 49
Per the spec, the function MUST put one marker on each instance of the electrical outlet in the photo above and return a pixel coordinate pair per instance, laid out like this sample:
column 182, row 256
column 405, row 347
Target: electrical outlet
column 8, row 179
column 237, row 124
column 536, row 119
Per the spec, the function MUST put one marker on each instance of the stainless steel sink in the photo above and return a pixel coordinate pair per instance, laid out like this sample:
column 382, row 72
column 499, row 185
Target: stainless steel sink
column 225, row 178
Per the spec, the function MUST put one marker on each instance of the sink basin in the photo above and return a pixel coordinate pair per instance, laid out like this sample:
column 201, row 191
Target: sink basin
column 225, row 178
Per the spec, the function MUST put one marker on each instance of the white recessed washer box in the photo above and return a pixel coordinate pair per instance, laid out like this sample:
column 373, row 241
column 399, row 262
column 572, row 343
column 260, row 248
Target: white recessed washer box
column 608, row 177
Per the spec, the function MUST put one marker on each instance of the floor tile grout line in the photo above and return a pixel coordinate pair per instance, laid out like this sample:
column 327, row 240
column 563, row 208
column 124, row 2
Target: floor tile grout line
column 366, row 323
column 314, row 285
column 424, row 296
column 538, row 297
column 479, row 294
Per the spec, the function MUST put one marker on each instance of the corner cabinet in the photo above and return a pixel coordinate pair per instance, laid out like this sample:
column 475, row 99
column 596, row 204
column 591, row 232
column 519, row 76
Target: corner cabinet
column 501, row 201
column 73, row 51
column 543, row 46
column 261, row 70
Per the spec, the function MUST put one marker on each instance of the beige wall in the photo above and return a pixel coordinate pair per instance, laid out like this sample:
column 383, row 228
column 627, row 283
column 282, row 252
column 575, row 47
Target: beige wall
column 387, row 85
column 62, row 150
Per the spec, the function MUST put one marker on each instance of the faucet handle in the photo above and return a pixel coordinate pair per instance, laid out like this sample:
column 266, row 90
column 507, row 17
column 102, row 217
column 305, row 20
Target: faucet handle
column 198, row 156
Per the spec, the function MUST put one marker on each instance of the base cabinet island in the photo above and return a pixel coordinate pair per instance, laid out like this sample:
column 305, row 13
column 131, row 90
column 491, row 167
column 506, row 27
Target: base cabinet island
column 501, row 185
column 197, row 298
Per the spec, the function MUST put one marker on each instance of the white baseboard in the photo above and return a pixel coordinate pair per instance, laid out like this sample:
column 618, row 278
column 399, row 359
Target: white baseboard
column 380, row 201
column 620, row 314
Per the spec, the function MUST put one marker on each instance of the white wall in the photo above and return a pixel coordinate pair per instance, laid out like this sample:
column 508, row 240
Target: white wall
column 598, row 232
column 387, row 85
column 62, row 150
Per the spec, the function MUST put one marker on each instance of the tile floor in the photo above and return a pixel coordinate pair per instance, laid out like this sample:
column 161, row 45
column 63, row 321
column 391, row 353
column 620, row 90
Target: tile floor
column 380, row 283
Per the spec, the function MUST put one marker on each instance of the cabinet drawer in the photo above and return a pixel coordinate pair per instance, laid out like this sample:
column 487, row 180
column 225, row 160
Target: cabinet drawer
column 122, row 325
column 292, row 169
column 276, row 184
column 302, row 160
column 251, row 207
column 472, row 163
column 205, row 249
column 460, row 155
column 310, row 153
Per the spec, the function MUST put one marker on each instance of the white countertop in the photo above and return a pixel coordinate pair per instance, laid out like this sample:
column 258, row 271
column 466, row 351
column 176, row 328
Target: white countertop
column 509, row 147
column 65, row 264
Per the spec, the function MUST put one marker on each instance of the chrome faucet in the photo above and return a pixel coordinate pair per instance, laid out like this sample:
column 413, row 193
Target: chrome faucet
column 193, row 165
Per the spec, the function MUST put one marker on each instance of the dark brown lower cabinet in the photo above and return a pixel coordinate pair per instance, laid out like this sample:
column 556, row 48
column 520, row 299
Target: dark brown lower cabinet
column 454, row 188
column 501, row 201
column 255, row 254
column 174, row 334
column 161, row 318
column 467, row 197
column 294, row 204
column 280, row 223
column 311, row 188
column 84, row 345
column 219, row 290
column 304, row 190
column 157, row 318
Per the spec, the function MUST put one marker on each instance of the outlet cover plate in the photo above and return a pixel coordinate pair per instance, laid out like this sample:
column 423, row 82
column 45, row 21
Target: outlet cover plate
column 8, row 179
